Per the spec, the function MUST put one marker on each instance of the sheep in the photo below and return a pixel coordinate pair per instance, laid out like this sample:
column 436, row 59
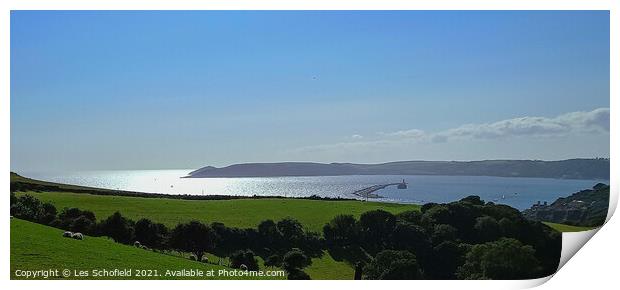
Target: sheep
column 77, row 236
column 204, row 259
column 67, row 234
column 137, row 244
column 243, row 267
column 144, row 247
column 193, row 257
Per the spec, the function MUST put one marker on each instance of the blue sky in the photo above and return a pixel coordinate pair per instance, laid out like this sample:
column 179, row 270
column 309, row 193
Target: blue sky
column 140, row 90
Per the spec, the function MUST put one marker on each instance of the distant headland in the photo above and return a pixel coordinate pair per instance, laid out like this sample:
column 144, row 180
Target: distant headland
column 597, row 168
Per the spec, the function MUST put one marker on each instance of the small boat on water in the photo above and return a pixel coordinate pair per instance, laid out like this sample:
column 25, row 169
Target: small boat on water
column 402, row 185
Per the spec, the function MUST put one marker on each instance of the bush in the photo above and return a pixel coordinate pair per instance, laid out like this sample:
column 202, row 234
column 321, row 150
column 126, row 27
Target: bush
column 291, row 230
column 273, row 261
column 342, row 230
column 376, row 228
column 393, row 265
column 503, row 259
column 29, row 208
column 295, row 260
column 151, row 234
column 82, row 225
column 194, row 237
column 76, row 220
column 244, row 257
column 118, row 228
column 298, row 275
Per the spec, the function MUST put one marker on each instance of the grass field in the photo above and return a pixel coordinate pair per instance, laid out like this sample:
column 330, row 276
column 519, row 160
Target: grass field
column 241, row 213
column 38, row 247
column 567, row 228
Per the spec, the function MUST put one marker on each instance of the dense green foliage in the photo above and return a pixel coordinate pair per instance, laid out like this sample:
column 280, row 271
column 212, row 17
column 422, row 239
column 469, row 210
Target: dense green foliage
column 293, row 263
column 244, row 259
column 445, row 241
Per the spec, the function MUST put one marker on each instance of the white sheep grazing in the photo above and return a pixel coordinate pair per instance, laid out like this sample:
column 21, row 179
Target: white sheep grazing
column 204, row 259
column 243, row 267
column 137, row 244
column 193, row 257
column 67, row 234
column 77, row 236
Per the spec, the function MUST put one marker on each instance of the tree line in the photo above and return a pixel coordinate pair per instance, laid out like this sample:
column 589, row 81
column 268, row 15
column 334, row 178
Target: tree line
column 467, row 239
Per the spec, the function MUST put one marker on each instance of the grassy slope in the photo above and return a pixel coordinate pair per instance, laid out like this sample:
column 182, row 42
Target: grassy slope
column 242, row 213
column 35, row 247
column 313, row 214
column 567, row 228
column 18, row 178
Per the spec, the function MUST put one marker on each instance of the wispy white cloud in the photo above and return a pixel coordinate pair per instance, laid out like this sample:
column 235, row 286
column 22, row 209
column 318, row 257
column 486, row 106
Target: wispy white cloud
column 575, row 122
column 595, row 121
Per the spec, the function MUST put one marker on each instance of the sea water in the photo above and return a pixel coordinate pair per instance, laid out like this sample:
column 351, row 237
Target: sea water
column 517, row 192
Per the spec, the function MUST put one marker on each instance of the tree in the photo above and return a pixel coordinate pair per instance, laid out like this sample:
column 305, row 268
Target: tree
column 118, row 228
column 194, row 237
column 298, row 275
column 293, row 263
column 442, row 232
column 473, row 199
column 244, row 257
column 76, row 220
column 295, row 259
column 359, row 268
column 82, row 224
column 291, row 230
column 273, row 261
column 407, row 236
column 376, row 227
column 269, row 235
column 503, row 259
column 487, row 229
column 29, row 208
column 446, row 258
column 411, row 216
column 393, row 265
column 341, row 231
column 151, row 234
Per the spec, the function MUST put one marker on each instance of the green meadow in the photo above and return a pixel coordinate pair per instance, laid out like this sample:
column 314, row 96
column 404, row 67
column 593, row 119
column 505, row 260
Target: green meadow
column 567, row 228
column 241, row 213
column 37, row 247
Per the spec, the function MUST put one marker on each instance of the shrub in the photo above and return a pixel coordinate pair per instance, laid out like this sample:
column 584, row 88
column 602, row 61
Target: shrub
column 273, row 261
column 151, row 234
column 376, row 228
column 118, row 228
column 194, row 237
column 29, row 208
column 295, row 260
column 342, row 230
column 393, row 265
column 298, row 275
column 244, row 257
column 503, row 259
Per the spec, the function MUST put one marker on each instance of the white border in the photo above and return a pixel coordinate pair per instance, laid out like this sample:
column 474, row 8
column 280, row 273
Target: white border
column 579, row 275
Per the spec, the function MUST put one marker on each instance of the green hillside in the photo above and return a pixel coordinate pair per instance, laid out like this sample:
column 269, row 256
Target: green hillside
column 34, row 247
column 241, row 213
column 567, row 228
